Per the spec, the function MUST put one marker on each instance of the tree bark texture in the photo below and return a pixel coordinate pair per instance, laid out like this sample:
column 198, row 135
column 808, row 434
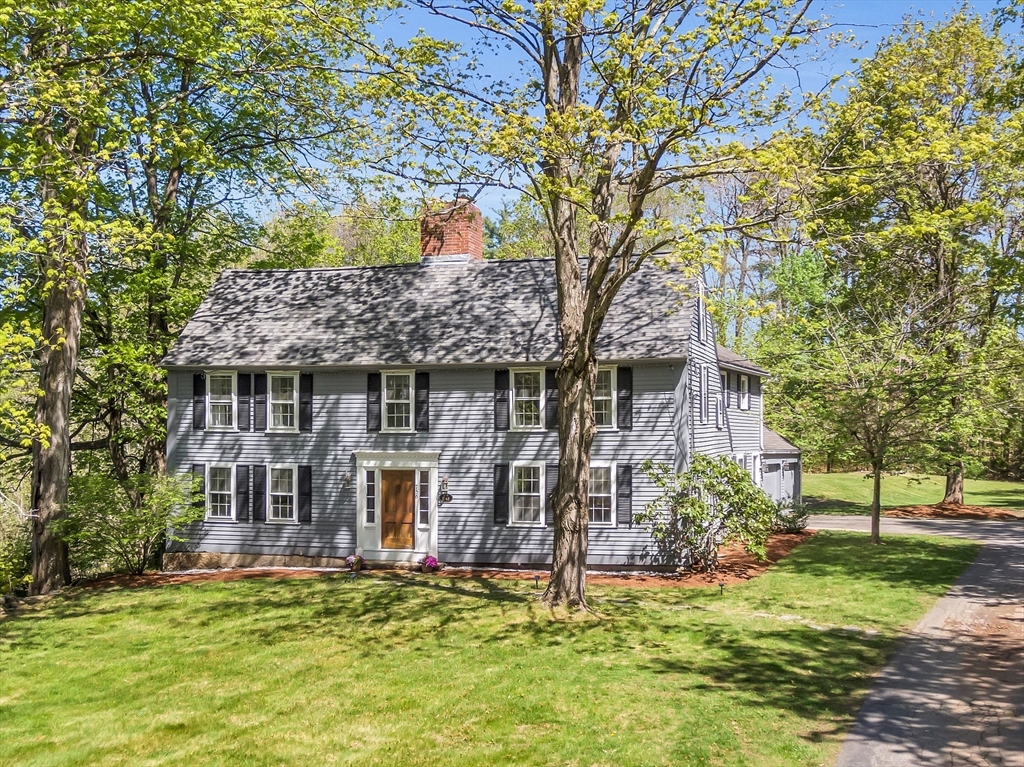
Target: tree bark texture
column 62, row 322
column 955, row 483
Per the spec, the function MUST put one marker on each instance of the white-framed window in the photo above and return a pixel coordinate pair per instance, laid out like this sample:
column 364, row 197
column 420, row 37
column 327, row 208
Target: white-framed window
column 702, row 393
column 284, row 402
column 527, row 494
column 220, row 492
column 221, row 398
column 605, row 405
column 527, row 399
column 744, row 393
column 725, row 387
column 397, row 401
column 601, row 501
column 283, row 506
column 371, row 497
column 423, row 497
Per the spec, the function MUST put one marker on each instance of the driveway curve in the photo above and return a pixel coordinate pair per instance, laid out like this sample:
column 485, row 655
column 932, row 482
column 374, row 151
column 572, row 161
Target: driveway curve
column 953, row 694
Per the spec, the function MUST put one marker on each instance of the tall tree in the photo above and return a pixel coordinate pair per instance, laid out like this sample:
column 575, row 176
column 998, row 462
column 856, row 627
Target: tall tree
column 134, row 140
column 923, row 176
column 612, row 105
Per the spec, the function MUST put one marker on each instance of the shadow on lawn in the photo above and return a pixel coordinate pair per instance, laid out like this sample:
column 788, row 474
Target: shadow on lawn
column 795, row 668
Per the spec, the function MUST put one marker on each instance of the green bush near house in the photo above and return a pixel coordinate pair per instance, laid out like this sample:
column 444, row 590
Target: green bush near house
column 850, row 492
column 385, row 669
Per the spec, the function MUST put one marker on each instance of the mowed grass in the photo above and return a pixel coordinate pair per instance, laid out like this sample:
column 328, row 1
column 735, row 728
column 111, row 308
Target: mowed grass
column 427, row 670
column 850, row 493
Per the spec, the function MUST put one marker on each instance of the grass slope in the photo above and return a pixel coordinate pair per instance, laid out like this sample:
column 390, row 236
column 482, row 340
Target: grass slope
column 417, row 670
column 850, row 493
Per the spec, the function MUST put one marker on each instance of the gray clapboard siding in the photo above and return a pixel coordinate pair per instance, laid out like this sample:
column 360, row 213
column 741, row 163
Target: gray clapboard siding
column 461, row 421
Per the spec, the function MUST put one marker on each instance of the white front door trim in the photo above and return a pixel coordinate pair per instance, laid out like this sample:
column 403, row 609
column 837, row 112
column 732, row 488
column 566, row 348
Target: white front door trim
column 368, row 536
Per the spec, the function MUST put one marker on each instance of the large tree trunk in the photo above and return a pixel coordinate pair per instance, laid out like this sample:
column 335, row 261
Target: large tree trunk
column 571, row 498
column 876, row 500
column 62, row 322
column 955, row 483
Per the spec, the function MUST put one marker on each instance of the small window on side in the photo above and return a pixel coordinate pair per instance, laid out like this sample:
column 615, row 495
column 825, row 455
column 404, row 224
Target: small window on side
column 423, row 502
column 371, row 497
column 744, row 396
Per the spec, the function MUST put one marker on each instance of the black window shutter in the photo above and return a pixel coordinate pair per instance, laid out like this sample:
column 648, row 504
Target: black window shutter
column 305, row 495
column 199, row 401
column 550, row 482
column 242, row 493
column 624, row 496
column 423, row 402
column 373, row 401
column 305, row 402
column 625, row 403
column 501, row 494
column 550, row 399
column 244, row 401
column 199, row 472
column 259, row 402
column 259, row 493
column 501, row 390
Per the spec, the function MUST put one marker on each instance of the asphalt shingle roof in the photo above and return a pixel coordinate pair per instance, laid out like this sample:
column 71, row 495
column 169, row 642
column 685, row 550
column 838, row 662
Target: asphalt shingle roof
column 481, row 312
column 773, row 442
column 731, row 359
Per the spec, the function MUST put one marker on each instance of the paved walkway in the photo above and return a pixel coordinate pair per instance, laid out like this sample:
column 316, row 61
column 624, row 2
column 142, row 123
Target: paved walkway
column 954, row 692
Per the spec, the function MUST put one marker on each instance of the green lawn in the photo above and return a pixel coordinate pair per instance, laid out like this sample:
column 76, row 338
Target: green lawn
column 426, row 670
column 850, row 493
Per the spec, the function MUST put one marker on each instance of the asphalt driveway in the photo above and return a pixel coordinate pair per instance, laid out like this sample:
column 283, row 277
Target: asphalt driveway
column 954, row 692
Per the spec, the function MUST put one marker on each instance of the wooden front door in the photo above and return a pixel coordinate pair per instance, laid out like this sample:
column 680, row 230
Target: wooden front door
column 397, row 509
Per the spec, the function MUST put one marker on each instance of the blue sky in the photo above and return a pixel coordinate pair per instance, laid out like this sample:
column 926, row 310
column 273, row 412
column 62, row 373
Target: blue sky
column 869, row 21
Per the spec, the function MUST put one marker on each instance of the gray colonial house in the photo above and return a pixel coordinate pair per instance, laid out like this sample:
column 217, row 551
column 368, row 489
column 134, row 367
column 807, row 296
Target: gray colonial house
column 399, row 411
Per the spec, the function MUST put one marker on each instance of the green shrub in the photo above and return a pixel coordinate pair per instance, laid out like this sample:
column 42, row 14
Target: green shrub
column 713, row 503
column 15, row 550
column 108, row 527
column 790, row 517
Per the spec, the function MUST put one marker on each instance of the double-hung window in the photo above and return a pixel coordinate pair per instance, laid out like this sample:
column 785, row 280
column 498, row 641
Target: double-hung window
column 604, row 398
column 527, row 399
column 284, row 401
column 527, row 494
column 397, row 401
column 221, row 410
column 602, row 495
column 744, row 396
column 219, row 492
column 282, row 494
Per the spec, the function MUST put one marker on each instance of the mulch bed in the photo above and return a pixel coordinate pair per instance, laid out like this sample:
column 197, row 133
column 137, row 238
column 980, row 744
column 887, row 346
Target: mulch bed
column 735, row 566
column 952, row 511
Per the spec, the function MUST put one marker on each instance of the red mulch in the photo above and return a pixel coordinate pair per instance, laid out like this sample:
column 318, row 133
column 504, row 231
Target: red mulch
column 735, row 566
column 952, row 511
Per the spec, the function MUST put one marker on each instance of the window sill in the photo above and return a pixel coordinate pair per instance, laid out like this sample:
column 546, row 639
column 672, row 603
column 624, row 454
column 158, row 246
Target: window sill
column 397, row 431
column 282, row 521
column 220, row 519
column 280, row 430
column 538, row 525
column 222, row 428
column 526, row 428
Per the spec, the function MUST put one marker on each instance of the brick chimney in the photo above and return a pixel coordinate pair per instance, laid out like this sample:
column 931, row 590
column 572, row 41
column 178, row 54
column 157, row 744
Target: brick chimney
column 451, row 232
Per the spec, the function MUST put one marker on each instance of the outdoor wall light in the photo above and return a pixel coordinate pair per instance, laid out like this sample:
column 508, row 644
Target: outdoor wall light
column 348, row 479
column 443, row 496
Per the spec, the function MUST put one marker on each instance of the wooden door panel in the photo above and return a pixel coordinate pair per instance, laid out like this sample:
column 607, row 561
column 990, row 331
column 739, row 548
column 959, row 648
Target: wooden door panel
column 397, row 510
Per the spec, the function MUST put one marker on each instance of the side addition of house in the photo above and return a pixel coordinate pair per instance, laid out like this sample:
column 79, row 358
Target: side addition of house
column 399, row 411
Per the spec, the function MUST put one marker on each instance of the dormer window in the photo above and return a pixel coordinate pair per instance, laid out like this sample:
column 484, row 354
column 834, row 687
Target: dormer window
column 221, row 399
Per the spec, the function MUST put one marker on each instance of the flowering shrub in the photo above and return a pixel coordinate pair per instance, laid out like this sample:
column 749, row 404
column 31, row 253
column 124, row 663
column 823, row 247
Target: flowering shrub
column 429, row 562
column 355, row 560
column 713, row 503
